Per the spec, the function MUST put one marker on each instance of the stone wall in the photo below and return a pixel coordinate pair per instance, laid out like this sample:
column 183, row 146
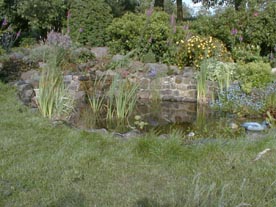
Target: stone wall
column 181, row 87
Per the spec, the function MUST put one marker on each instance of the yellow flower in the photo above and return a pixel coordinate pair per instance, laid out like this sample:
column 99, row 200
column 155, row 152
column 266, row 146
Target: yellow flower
column 182, row 41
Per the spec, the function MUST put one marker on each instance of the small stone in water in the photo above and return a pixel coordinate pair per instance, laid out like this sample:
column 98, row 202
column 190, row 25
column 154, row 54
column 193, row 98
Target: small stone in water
column 191, row 134
column 233, row 125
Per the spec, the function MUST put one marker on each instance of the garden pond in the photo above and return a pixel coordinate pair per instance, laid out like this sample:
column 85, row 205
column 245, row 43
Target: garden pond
column 188, row 118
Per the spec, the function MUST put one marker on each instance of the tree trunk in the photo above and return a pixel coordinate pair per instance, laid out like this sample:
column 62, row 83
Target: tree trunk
column 179, row 10
column 159, row 3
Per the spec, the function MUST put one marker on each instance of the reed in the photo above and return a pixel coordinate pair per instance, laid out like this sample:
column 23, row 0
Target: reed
column 122, row 100
column 201, row 82
column 95, row 98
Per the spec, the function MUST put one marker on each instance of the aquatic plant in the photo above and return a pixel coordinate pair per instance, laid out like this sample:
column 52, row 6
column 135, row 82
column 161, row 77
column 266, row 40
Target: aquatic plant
column 201, row 82
column 122, row 100
column 95, row 98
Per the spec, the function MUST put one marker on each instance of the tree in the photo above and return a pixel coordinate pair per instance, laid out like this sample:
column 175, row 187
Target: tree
column 119, row 7
column 34, row 15
column 238, row 4
column 88, row 21
column 159, row 3
column 179, row 10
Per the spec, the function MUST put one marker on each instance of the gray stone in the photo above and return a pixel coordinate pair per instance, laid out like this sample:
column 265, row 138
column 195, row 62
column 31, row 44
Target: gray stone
column 143, row 94
column 100, row 52
column 117, row 58
column 67, row 78
column 144, row 84
column 175, row 70
column 25, row 93
column 166, row 92
column 31, row 74
column 160, row 69
column 178, row 79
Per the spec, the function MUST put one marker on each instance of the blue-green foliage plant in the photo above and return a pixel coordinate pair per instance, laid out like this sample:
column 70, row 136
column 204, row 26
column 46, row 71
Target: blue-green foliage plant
column 235, row 100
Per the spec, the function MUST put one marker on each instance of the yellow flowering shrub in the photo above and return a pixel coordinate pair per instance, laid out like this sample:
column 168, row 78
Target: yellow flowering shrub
column 192, row 51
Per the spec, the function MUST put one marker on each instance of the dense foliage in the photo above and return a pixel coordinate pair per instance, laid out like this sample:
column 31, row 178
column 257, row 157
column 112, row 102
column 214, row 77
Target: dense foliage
column 34, row 16
column 255, row 26
column 87, row 21
column 151, row 32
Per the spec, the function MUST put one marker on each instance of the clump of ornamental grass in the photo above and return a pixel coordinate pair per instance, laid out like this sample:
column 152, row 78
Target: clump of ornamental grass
column 54, row 99
column 122, row 98
column 202, row 82
column 96, row 99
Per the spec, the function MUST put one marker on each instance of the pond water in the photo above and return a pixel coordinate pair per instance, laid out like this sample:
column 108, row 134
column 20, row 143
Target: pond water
column 165, row 117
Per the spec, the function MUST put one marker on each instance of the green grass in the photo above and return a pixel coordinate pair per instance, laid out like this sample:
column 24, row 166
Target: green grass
column 43, row 165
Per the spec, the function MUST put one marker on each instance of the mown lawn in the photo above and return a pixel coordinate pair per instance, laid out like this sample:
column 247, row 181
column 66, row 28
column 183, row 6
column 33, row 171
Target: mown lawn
column 46, row 165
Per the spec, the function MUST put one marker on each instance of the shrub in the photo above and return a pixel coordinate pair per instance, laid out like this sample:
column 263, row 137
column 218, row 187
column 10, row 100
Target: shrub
column 81, row 55
column 125, row 32
column 246, row 53
column 195, row 49
column 88, row 21
column 27, row 42
column 148, row 34
column 254, row 75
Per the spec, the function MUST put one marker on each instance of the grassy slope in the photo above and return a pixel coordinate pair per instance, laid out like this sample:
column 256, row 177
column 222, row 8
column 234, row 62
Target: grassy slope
column 42, row 165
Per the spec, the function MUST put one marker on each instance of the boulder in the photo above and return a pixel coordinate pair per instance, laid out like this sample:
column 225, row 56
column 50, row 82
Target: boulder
column 25, row 92
column 156, row 69
column 100, row 52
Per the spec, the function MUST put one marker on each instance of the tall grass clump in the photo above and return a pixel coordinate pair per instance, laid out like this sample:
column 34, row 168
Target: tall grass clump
column 96, row 99
column 54, row 99
column 122, row 100
column 202, row 81
column 221, row 72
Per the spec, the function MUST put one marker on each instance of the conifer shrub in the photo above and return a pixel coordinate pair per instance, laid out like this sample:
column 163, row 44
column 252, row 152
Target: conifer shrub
column 87, row 21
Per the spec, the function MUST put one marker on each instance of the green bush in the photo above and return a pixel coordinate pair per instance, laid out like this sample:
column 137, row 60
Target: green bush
column 88, row 21
column 253, row 25
column 148, row 34
column 254, row 75
column 246, row 53
column 27, row 42
column 81, row 55
column 125, row 32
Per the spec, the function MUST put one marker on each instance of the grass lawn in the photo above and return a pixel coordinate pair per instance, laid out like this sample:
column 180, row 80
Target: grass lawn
column 46, row 165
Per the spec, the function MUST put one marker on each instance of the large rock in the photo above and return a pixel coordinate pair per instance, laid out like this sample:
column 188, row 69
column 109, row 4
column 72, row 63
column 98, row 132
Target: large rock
column 100, row 52
column 156, row 69
column 26, row 93
column 31, row 77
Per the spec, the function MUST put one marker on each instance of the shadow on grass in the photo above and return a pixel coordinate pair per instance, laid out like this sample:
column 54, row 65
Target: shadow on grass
column 146, row 202
column 71, row 199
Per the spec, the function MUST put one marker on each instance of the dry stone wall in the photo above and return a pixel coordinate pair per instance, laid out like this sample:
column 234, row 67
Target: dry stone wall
column 181, row 87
